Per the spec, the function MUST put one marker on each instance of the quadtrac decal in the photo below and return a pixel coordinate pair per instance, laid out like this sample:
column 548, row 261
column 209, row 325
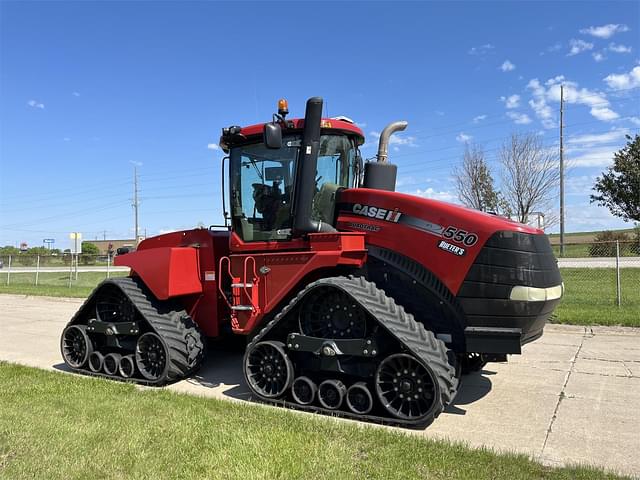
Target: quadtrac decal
column 367, row 227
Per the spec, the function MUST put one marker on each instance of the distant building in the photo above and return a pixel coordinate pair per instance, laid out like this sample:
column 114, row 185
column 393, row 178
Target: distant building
column 106, row 246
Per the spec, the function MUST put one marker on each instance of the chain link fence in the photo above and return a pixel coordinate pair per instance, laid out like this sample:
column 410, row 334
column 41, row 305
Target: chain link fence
column 601, row 275
column 600, row 278
column 65, row 269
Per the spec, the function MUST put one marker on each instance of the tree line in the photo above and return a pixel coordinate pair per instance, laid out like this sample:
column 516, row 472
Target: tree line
column 529, row 179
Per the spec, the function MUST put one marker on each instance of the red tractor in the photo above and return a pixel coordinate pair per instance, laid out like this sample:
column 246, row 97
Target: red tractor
column 355, row 299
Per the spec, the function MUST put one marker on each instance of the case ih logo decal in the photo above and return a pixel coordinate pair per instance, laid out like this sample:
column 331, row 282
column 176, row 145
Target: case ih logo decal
column 377, row 212
column 451, row 234
column 448, row 247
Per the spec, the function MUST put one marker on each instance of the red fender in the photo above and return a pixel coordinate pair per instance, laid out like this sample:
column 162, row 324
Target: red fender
column 167, row 271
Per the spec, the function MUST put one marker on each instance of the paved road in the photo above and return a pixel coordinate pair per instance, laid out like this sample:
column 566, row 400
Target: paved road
column 573, row 396
column 598, row 262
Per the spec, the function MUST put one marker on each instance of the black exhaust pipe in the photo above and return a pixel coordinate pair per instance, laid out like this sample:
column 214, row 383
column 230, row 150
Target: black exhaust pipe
column 305, row 183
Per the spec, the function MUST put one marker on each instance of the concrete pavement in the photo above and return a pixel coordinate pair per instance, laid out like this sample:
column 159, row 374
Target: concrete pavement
column 572, row 397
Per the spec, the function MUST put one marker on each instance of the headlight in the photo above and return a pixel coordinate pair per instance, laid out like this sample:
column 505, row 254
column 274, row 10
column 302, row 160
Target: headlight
column 534, row 294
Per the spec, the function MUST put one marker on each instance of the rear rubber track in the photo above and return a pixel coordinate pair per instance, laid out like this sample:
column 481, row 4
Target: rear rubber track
column 412, row 335
column 183, row 339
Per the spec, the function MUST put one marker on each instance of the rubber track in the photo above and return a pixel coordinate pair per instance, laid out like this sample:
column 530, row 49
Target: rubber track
column 173, row 325
column 411, row 334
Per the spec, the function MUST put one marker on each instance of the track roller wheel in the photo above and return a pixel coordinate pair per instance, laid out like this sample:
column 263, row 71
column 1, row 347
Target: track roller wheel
column 96, row 361
column 76, row 345
column 111, row 363
column 304, row 390
column 331, row 393
column 406, row 388
column 151, row 357
column 127, row 366
column 359, row 398
column 267, row 369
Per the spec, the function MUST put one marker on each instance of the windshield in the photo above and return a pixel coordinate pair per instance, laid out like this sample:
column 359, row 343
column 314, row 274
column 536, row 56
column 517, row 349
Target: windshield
column 262, row 182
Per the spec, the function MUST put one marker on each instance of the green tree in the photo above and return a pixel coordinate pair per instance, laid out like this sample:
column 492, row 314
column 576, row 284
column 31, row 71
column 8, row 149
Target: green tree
column 89, row 253
column 9, row 250
column 619, row 187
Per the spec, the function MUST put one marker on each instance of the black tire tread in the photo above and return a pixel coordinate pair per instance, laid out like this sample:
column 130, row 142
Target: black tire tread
column 165, row 318
column 422, row 343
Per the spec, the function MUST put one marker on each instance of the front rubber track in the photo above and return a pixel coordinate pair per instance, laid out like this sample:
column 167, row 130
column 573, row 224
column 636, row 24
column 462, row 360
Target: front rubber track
column 411, row 334
column 182, row 338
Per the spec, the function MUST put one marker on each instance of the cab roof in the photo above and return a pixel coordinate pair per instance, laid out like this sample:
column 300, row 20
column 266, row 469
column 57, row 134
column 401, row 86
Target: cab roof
column 327, row 125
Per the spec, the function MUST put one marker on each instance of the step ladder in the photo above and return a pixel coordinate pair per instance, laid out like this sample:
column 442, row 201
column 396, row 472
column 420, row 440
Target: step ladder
column 244, row 290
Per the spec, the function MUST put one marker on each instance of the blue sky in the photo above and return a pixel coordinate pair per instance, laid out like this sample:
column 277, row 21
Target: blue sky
column 88, row 89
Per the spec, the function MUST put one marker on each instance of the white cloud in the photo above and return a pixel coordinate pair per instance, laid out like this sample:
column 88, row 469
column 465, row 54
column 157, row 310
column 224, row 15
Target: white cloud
column 598, row 56
column 578, row 46
column 539, row 103
column 604, row 113
column 593, row 157
column 624, row 81
column 619, row 48
column 66, row 139
column 555, row 47
column 507, row 66
column 635, row 120
column 361, row 124
column 590, row 140
column 463, row 137
column 481, row 50
column 35, row 104
column 397, row 139
column 519, row 118
column 479, row 118
column 430, row 192
column 573, row 94
column 75, row 94
column 512, row 101
column 213, row 146
column 605, row 31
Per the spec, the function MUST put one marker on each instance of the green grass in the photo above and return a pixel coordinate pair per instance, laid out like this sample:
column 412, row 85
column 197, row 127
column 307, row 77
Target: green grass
column 53, row 284
column 590, row 297
column 55, row 425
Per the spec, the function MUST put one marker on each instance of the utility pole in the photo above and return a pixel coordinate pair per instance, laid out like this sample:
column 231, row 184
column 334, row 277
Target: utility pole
column 104, row 235
column 562, row 170
column 135, row 202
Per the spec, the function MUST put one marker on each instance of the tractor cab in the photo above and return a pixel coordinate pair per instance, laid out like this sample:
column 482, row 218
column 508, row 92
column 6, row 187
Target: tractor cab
column 267, row 181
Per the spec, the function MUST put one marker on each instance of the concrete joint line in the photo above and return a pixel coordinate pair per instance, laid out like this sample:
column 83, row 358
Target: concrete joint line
column 564, row 386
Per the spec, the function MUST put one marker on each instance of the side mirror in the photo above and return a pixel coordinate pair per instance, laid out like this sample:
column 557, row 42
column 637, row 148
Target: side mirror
column 272, row 135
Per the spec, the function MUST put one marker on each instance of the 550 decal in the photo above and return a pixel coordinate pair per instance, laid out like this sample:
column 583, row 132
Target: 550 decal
column 460, row 236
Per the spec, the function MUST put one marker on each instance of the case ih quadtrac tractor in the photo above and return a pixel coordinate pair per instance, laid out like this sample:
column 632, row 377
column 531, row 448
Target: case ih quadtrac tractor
column 355, row 300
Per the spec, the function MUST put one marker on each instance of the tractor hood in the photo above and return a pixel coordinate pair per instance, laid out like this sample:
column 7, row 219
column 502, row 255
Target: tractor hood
column 446, row 237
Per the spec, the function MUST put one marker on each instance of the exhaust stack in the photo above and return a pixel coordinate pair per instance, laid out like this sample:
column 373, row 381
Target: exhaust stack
column 382, row 174
column 305, row 178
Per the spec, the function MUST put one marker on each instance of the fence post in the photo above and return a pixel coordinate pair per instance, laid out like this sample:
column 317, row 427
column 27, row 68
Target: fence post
column 37, row 269
column 9, row 271
column 618, row 296
column 108, row 263
column 70, row 269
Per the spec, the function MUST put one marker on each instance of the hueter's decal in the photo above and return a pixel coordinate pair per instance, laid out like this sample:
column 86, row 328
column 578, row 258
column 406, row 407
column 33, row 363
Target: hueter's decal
column 377, row 212
column 449, row 247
